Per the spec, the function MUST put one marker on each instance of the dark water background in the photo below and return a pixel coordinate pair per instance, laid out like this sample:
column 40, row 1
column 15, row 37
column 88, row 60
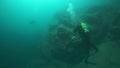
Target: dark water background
column 24, row 25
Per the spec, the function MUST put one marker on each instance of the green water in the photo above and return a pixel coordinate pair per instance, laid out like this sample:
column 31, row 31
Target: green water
column 24, row 27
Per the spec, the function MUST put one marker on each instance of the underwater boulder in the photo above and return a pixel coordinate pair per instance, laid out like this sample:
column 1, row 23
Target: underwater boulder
column 67, row 45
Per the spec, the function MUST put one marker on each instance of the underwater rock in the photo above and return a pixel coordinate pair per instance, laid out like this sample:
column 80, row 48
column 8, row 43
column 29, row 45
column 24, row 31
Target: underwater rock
column 102, row 22
column 64, row 19
column 68, row 45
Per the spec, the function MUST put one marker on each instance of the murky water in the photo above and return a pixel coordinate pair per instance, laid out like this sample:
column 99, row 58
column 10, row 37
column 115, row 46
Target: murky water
column 24, row 29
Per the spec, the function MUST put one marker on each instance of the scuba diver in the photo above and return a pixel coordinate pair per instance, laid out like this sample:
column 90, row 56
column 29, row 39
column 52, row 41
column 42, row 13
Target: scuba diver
column 78, row 45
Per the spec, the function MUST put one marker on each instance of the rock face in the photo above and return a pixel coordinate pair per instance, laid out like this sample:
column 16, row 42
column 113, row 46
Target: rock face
column 68, row 47
column 104, row 23
column 70, row 43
